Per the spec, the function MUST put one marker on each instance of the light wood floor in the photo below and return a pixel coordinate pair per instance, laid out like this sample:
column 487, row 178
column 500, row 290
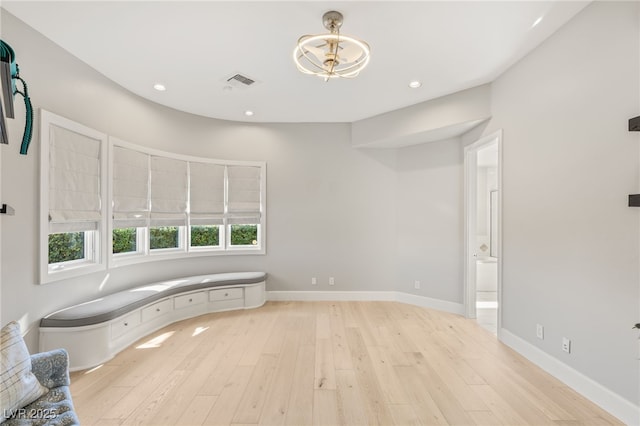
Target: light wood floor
column 326, row 363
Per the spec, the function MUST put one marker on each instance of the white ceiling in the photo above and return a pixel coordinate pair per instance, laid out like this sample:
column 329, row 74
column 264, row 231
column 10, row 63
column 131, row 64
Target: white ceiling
column 192, row 47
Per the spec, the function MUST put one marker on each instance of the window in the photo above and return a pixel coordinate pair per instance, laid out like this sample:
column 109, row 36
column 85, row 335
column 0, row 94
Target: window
column 169, row 186
column 164, row 237
column 205, row 236
column 130, row 201
column 73, row 183
column 125, row 240
column 244, row 205
column 207, row 204
column 167, row 205
column 160, row 205
column 66, row 247
column 243, row 235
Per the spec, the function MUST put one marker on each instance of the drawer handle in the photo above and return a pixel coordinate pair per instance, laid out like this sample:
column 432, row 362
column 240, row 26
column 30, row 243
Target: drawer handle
column 126, row 324
column 190, row 300
column 157, row 309
column 226, row 294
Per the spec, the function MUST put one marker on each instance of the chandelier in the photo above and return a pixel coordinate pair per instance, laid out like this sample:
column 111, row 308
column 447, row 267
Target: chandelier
column 331, row 55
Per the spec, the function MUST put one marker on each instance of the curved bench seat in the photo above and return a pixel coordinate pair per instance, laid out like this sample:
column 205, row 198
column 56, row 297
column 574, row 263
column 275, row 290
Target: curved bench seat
column 117, row 304
column 95, row 331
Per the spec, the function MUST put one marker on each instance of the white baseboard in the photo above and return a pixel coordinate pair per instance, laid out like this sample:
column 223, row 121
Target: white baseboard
column 328, row 296
column 624, row 410
column 383, row 296
column 428, row 302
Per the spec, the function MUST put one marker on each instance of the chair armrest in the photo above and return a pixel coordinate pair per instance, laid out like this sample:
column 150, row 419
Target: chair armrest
column 51, row 368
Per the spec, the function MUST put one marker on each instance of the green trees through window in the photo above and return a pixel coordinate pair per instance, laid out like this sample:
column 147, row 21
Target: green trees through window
column 164, row 237
column 125, row 240
column 66, row 247
column 244, row 235
column 205, row 236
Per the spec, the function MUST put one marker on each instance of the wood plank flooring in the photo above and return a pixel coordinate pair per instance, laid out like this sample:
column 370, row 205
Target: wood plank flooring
column 326, row 363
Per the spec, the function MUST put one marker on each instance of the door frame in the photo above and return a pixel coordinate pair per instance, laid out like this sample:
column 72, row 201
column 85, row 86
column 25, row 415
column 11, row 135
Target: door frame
column 470, row 218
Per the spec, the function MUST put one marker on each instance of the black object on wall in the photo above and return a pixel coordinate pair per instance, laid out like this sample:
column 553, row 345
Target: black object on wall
column 5, row 209
column 634, row 200
column 634, row 126
column 7, row 98
column 9, row 76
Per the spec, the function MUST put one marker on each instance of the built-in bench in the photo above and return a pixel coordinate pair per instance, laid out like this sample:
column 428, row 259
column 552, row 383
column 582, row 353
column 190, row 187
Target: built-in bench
column 95, row 331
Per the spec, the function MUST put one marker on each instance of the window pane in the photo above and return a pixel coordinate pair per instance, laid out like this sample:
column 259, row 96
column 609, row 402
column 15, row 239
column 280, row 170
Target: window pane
column 125, row 240
column 244, row 235
column 164, row 237
column 66, row 247
column 206, row 235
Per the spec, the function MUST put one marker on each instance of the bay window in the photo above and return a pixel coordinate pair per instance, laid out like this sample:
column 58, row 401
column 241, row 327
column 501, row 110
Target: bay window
column 151, row 204
column 168, row 205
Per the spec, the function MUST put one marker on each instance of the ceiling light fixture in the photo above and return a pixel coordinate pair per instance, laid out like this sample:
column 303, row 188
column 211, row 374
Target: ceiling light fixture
column 248, row 113
column 415, row 84
column 159, row 87
column 331, row 55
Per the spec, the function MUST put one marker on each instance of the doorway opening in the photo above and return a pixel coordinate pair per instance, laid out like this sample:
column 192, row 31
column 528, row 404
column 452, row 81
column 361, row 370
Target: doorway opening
column 483, row 224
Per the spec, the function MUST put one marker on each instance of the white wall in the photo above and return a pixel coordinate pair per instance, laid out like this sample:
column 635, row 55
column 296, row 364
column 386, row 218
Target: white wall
column 430, row 223
column 571, row 244
column 330, row 208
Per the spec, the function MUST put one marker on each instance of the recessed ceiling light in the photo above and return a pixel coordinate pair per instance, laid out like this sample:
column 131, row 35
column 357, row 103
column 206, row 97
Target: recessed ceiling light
column 415, row 84
column 159, row 87
column 248, row 113
column 537, row 21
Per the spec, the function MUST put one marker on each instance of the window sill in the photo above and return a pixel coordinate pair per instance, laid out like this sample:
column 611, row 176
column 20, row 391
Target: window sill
column 71, row 271
column 125, row 260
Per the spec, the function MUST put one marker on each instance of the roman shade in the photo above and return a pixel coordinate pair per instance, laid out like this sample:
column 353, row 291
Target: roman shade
column 206, row 191
column 74, row 181
column 169, row 189
column 243, row 197
column 130, row 188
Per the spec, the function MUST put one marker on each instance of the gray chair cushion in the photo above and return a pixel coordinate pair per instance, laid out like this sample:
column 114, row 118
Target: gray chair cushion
column 114, row 305
column 56, row 407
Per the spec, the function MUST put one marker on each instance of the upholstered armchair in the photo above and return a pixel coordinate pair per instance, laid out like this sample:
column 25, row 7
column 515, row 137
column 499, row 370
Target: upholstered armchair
column 48, row 400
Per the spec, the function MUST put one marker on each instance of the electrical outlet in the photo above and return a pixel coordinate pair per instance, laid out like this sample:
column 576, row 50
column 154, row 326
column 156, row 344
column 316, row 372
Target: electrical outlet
column 332, row 281
column 416, row 285
column 314, row 281
column 540, row 331
column 566, row 345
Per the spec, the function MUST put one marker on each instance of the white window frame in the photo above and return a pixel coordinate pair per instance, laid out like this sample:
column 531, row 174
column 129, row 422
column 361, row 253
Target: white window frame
column 95, row 260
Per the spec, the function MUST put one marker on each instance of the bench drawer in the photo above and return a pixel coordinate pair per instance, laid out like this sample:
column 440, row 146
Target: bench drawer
column 192, row 299
column 226, row 294
column 156, row 310
column 227, row 305
column 125, row 324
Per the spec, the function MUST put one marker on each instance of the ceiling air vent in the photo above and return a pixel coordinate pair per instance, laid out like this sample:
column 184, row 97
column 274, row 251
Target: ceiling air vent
column 240, row 81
